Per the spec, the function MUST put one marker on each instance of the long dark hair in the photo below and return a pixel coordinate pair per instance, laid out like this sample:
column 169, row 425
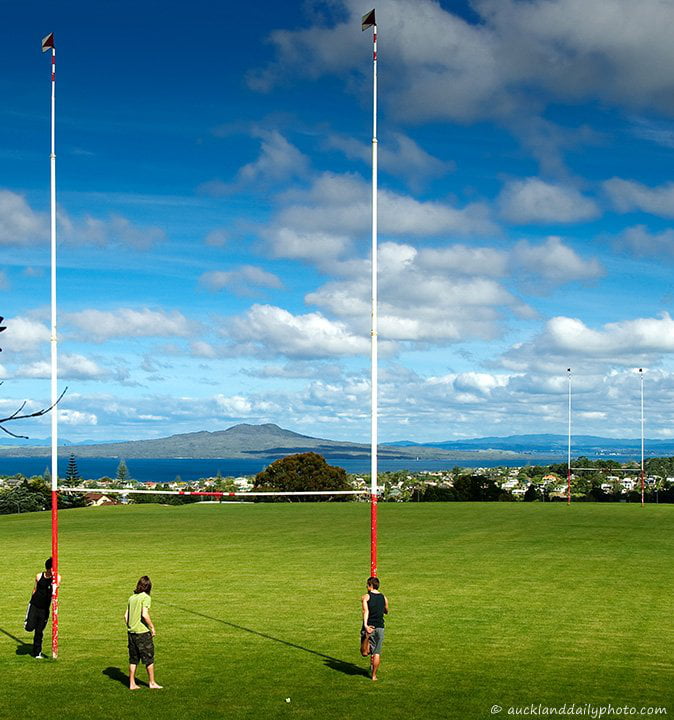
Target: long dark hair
column 143, row 585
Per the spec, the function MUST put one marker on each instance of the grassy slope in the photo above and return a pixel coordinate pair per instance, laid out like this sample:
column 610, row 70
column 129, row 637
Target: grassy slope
column 507, row 604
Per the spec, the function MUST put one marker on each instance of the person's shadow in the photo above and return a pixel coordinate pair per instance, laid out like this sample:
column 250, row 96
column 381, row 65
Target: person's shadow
column 23, row 648
column 343, row 666
column 115, row 673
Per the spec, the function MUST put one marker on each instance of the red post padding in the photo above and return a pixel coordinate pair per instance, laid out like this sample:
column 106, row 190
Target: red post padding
column 373, row 536
column 55, row 573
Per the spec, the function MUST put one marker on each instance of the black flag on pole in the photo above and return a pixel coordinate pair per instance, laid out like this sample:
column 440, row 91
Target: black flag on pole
column 48, row 42
column 368, row 20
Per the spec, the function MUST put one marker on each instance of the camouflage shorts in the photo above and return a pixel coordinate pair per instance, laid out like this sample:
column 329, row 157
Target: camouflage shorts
column 141, row 648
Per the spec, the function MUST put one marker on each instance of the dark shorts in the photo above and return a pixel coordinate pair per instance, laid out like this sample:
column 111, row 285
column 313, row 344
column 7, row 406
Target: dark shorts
column 141, row 648
column 36, row 618
column 376, row 640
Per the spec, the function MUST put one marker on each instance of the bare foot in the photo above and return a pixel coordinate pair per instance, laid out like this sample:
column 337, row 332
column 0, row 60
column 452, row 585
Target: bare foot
column 134, row 687
column 154, row 686
column 374, row 678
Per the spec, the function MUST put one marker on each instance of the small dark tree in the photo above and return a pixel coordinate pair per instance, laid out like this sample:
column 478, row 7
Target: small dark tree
column 305, row 471
column 531, row 494
column 122, row 472
column 72, row 473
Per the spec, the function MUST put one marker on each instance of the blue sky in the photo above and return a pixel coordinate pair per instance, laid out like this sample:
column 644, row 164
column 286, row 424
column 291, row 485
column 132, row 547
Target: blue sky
column 213, row 167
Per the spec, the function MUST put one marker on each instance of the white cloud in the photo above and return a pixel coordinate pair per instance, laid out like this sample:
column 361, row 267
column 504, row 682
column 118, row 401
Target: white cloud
column 403, row 157
column 642, row 335
column 217, row 237
column 235, row 405
column 203, row 349
column 628, row 196
column 338, row 205
column 464, row 260
column 640, row 242
column 554, row 262
column 110, row 232
column 69, row 366
column 518, row 56
column 318, row 247
column 278, row 160
column 24, row 334
column 75, row 417
column 19, row 223
column 566, row 341
column 419, row 302
column 269, row 329
column 241, row 280
column 126, row 322
column 533, row 200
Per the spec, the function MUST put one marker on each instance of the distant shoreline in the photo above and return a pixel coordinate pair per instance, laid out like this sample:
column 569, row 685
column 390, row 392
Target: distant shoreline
column 167, row 469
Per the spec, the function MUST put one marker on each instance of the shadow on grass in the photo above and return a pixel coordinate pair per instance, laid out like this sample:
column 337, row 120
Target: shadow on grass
column 348, row 668
column 23, row 648
column 115, row 673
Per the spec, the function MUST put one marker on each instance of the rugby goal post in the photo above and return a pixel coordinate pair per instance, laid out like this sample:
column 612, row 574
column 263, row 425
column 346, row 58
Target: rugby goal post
column 219, row 494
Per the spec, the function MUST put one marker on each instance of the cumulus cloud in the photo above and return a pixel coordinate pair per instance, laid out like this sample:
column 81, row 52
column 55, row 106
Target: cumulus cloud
column 640, row 242
column 298, row 369
column 322, row 248
column 241, row 281
column 75, row 417
column 403, row 158
column 533, row 200
column 110, row 232
column 102, row 325
column 340, row 205
column 24, row 334
column 518, row 55
column 554, row 262
column 203, row 349
column 464, row 260
column 422, row 302
column 269, row 329
column 217, row 237
column 70, row 366
column 19, row 223
column 642, row 335
column 568, row 341
column 279, row 160
column 628, row 196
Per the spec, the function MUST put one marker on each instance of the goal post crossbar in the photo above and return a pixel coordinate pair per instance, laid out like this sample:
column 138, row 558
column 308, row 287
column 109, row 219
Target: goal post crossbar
column 212, row 493
column 608, row 470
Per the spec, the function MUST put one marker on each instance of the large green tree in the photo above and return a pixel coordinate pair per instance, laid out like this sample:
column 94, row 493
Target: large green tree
column 305, row 471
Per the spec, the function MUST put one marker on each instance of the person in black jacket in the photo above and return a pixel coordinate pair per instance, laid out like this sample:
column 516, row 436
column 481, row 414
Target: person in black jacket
column 375, row 606
column 37, row 616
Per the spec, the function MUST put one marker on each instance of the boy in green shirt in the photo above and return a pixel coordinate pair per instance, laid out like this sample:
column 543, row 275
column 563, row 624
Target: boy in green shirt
column 140, row 632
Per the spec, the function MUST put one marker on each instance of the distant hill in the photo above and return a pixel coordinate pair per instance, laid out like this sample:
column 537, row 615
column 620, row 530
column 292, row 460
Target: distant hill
column 591, row 445
column 245, row 441
column 269, row 441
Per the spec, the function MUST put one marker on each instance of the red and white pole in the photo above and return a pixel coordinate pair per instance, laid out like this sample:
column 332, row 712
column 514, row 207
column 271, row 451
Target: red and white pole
column 374, row 347
column 641, row 378
column 568, row 460
column 48, row 43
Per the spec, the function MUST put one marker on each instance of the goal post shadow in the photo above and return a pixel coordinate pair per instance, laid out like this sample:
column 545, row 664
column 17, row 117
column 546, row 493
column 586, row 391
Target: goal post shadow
column 343, row 666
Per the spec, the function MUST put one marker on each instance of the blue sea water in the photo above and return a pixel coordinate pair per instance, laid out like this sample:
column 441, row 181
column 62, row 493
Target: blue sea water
column 166, row 469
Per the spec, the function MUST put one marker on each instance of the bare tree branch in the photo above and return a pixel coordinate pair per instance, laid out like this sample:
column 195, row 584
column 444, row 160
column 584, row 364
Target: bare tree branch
column 15, row 416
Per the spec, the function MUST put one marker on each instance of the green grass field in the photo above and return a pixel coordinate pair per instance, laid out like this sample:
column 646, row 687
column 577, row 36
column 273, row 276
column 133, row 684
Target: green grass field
column 507, row 604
